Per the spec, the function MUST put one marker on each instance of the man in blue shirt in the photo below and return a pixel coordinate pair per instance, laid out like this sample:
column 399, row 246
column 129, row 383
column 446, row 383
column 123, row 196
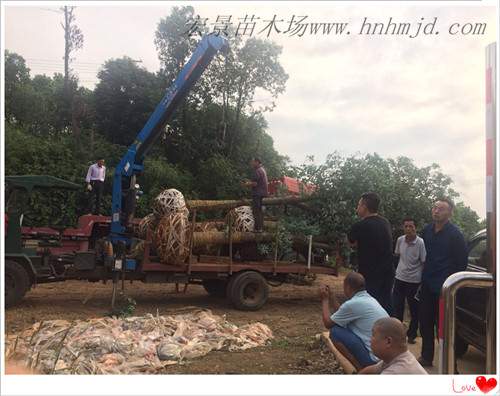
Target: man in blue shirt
column 351, row 323
column 446, row 254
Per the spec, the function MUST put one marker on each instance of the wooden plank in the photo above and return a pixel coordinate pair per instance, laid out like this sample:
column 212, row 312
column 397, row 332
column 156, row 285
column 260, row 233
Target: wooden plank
column 341, row 359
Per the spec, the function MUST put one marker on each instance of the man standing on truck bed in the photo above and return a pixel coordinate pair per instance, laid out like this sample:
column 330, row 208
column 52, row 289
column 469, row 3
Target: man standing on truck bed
column 372, row 238
column 259, row 191
column 446, row 254
column 95, row 184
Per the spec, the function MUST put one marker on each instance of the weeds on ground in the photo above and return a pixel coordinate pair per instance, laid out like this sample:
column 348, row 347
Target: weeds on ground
column 123, row 309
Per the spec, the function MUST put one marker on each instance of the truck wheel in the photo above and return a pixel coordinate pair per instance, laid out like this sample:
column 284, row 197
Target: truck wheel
column 215, row 287
column 248, row 291
column 461, row 347
column 17, row 283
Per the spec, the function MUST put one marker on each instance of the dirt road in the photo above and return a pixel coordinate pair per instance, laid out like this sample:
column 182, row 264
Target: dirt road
column 292, row 312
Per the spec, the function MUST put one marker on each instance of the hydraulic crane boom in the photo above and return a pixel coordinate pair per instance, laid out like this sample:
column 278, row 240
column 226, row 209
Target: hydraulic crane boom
column 124, row 186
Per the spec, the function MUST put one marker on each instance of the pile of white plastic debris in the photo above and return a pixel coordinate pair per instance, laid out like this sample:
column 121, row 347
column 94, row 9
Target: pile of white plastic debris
column 143, row 344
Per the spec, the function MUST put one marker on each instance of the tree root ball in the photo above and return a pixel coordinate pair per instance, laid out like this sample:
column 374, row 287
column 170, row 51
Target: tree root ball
column 172, row 238
column 168, row 202
column 243, row 220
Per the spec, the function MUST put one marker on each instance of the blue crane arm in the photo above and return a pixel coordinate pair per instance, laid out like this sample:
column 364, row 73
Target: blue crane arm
column 132, row 163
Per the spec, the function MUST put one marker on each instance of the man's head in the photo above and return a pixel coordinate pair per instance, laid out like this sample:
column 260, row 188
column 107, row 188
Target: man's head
column 368, row 204
column 388, row 338
column 353, row 283
column 410, row 227
column 442, row 210
column 100, row 162
column 255, row 163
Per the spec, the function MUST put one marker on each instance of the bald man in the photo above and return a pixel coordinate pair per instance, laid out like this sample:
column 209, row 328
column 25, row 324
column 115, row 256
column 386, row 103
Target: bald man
column 388, row 343
column 351, row 323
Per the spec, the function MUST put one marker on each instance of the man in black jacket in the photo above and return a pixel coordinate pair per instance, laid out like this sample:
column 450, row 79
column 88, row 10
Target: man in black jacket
column 446, row 254
column 372, row 237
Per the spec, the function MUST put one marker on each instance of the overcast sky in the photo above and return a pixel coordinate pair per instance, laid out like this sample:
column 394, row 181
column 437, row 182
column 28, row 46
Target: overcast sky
column 420, row 97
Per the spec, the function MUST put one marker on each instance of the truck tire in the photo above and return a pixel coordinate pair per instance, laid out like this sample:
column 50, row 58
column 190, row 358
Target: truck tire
column 17, row 283
column 248, row 291
column 215, row 287
column 461, row 347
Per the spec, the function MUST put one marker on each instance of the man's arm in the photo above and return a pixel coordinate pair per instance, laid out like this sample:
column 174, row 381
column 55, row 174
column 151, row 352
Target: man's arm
column 89, row 172
column 459, row 252
column 324, row 293
column 353, row 235
column 325, row 307
column 249, row 183
column 423, row 252
column 373, row 369
column 396, row 248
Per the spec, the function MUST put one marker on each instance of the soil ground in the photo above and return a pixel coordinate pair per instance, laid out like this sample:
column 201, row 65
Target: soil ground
column 292, row 312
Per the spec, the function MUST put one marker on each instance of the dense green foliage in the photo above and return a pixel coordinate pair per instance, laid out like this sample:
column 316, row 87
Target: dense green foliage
column 405, row 191
column 205, row 149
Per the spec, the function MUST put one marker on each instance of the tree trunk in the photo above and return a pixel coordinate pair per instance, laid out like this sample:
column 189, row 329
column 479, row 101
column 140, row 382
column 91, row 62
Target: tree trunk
column 222, row 238
column 235, row 127
column 234, row 203
column 66, row 49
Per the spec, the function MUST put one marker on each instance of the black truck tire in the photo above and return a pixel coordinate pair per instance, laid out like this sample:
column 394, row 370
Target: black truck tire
column 17, row 283
column 215, row 287
column 461, row 347
column 248, row 291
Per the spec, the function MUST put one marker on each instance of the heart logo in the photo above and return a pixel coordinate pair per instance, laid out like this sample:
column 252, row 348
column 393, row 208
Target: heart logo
column 486, row 385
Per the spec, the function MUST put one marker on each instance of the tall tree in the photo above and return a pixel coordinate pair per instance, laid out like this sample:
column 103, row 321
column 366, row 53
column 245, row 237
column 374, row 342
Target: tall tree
column 231, row 81
column 73, row 40
column 250, row 66
column 124, row 97
column 17, row 79
column 174, row 46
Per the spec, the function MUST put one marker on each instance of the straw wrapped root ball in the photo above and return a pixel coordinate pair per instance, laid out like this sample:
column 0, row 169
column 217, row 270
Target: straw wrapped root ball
column 172, row 238
column 168, row 202
column 243, row 220
column 148, row 222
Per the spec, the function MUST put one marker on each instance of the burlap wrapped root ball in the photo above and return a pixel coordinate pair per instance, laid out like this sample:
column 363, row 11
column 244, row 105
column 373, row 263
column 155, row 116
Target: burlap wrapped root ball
column 242, row 218
column 172, row 238
column 168, row 202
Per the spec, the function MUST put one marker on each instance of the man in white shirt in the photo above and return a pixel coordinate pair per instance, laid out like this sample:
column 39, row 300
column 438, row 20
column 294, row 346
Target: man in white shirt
column 411, row 251
column 95, row 184
column 388, row 343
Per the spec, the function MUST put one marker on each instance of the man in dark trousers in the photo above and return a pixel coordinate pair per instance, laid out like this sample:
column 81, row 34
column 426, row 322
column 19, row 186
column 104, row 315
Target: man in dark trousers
column 95, row 184
column 446, row 254
column 372, row 237
column 411, row 251
column 259, row 191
